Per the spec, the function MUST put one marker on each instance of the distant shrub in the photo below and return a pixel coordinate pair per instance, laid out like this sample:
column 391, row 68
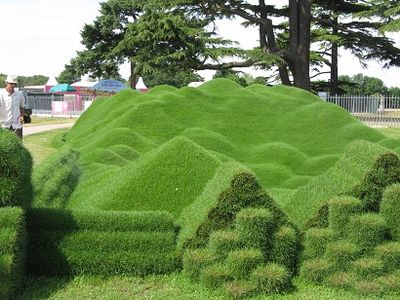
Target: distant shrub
column 223, row 241
column 341, row 253
column 386, row 171
column 195, row 260
column 390, row 255
column 272, row 278
column 390, row 209
column 316, row 270
column 367, row 230
column 242, row 262
column 368, row 267
column 315, row 241
column 240, row 289
column 255, row 227
column 216, row 275
column 12, row 251
column 286, row 248
column 340, row 210
column 15, row 171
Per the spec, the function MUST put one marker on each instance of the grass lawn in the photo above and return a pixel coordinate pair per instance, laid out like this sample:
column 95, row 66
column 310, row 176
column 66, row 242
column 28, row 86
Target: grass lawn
column 173, row 286
column 49, row 120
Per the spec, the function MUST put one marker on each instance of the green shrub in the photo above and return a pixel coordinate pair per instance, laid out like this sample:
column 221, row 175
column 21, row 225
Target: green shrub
column 341, row 253
column 272, row 278
column 390, row 209
column 368, row 267
column 242, row 262
column 12, row 251
column 367, row 230
column 223, row 241
column 368, row 287
column 215, row 276
column 286, row 248
column 320, row 219
column 390, row 255
column 315, row 241
column 240, row 289
column 255, row 227
column 386, row 171
column 341, row 280
column 195, row 260
column 316, row 270
column 340, row 210
column 15, row 171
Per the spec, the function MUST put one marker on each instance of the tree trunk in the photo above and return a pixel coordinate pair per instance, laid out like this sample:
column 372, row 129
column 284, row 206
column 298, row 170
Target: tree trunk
column 299, row 48
column 133, row 76
column 334, row 88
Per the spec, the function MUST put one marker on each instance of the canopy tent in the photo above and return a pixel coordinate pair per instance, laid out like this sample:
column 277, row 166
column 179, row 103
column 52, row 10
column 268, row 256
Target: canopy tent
column 62, row 87
column 111, row 86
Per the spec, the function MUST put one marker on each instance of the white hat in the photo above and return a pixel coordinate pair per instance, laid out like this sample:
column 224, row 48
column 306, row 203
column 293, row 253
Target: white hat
column 11, row 79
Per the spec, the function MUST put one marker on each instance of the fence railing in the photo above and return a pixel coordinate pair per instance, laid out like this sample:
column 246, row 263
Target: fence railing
column 371, row 110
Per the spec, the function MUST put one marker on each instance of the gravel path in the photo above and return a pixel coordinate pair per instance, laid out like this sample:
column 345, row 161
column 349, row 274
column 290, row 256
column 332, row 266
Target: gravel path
column 40, row 128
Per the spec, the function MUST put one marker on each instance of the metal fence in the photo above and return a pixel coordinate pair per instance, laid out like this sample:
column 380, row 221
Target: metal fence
column 55, row 104
column 371, row 110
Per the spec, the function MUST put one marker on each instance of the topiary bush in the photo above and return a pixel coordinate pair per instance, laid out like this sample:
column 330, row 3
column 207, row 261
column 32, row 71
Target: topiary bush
column 242, row 262
column 340, row 211
column 223, row 241
column 195, row 260
column 317, row 269
column 240, row 289
column 315, row 241
column 368, row 267
column 12, row 251
column 15, row 171
column 341, row 253
column 286, row 248
column 389, row 253
column 272, row 278
column 215, row 275
column 390, row 209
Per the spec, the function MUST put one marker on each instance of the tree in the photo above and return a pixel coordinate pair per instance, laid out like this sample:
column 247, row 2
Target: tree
column 174, row 77
column 363, row 85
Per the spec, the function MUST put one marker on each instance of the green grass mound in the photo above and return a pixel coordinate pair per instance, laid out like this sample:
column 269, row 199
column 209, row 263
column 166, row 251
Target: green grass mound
column 245, row 240
column 15, row 171
column 356, row 247
column 347, row 176
column 284, row 135
column 12, row 251
column 63, row 243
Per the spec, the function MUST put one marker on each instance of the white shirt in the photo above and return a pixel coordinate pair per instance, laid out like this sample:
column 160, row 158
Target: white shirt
column 10, row 105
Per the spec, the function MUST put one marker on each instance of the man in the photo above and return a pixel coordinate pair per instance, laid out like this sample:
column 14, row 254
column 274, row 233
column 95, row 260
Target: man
column 12, row 106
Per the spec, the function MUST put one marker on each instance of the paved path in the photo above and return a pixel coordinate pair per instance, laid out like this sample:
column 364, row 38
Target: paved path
column 40, row 128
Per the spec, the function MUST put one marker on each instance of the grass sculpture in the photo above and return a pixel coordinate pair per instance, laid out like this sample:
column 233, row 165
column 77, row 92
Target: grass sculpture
column 245, row 244
column 355, row 245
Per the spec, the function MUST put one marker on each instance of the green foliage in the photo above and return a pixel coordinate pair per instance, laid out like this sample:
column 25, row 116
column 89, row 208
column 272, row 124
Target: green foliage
column 195, row 260
column 12, row 251
column 341, row 253
column 55, row 179
column 340, row 211
column 242, row 262
column 15, row 171
column 386, row 171
column 286, row 248
column 389, row 282
column 368, row 287
column 272, row 278
column 240, row 289
column 223, row 241
column 341, row 279
column 216, row 275
column 367, row 230
column 316, row 270
column 390, row 209
column 315, row 242
column 389, row 253
column 367, row 267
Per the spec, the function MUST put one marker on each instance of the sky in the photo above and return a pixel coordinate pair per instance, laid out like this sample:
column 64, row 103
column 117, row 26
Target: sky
column 40, row 36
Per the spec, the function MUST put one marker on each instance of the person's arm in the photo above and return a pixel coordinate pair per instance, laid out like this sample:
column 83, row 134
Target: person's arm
column 21, row 109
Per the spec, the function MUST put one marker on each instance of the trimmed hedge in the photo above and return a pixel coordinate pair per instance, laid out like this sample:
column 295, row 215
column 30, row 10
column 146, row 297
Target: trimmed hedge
column 15, row 171
column 12, row 251
column 341, row 253
column 390, row 209
column 286, row 249
column 340, row 211
column 240, row 289
column 317, row 269
column 195, row 260
column 390, row 255
column 63, row 243
column 315, row 241
column 242, row 262
column 216, row 275
column 368, row 267
column 272, row 278
column 223, row 241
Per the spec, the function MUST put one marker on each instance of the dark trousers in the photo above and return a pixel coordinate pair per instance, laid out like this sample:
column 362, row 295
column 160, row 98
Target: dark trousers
column 17, row 131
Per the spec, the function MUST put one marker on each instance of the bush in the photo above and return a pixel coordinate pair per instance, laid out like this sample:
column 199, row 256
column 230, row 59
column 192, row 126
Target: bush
column 340, row 210
column 223, row 241
column 195, row 260
column 316, row 270
column 341, row 279
column 390, row 209
column 272, row 278
column 12, row 251
column 315, row 241
column 386, row 171
column 367, row 230
column 15, row 171
column 242, row 262
column 390, row 282
column 368, row 267
column 368, row 287
column 390, row 255
column 341, row 253
column 240, row 289
column 215, row 276
column 321, row 218
column 286, row 248
column 255, row 227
